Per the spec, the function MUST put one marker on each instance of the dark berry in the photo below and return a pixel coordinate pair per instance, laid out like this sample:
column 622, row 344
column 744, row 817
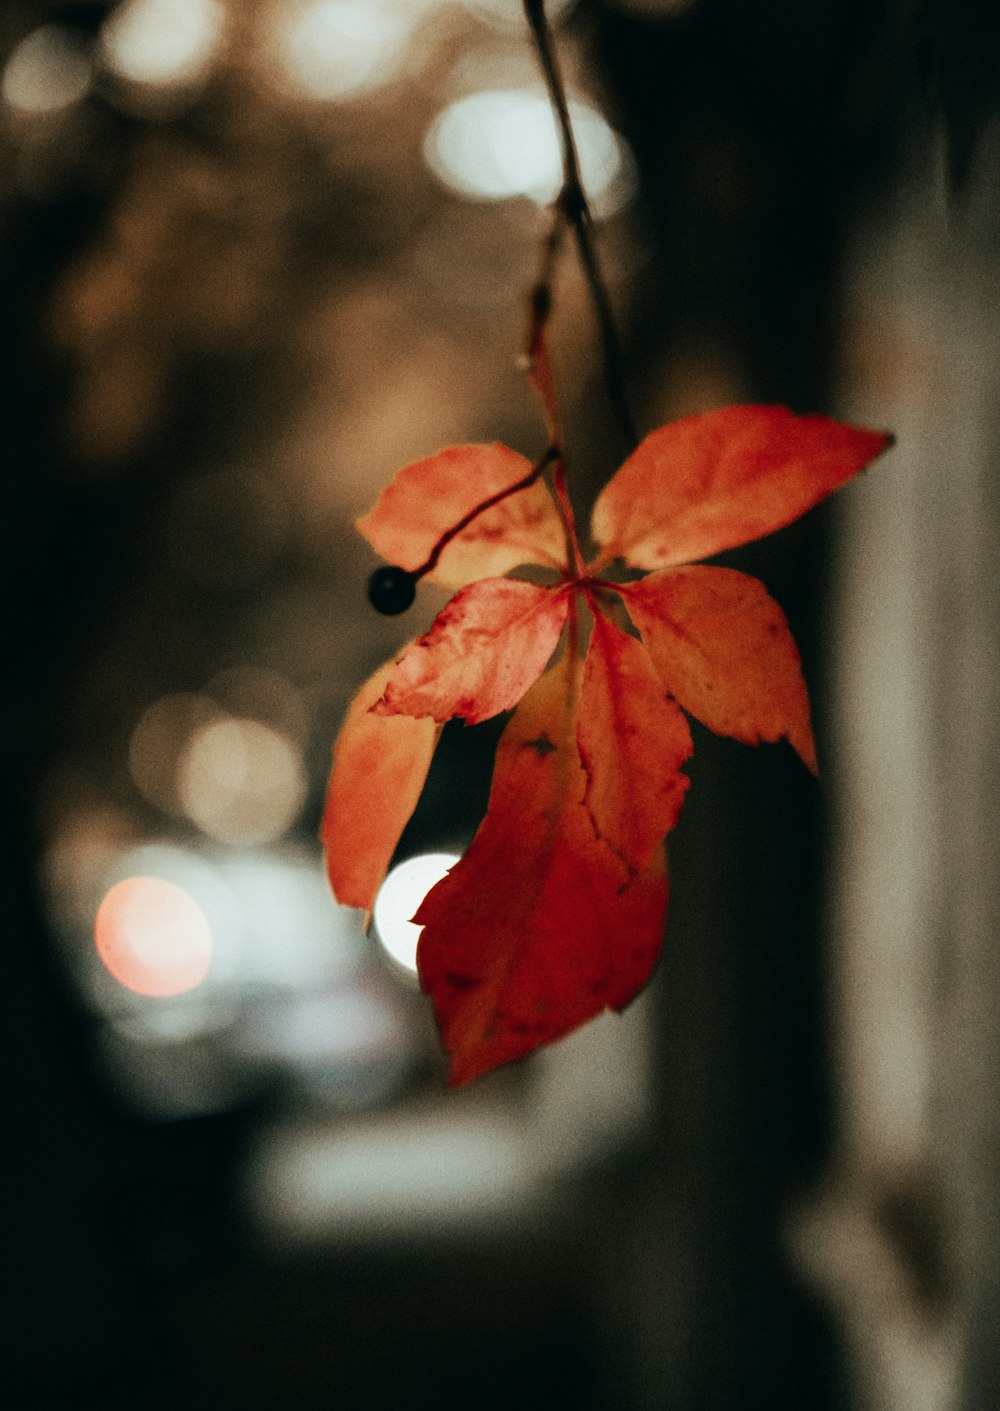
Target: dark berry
column 391, row 590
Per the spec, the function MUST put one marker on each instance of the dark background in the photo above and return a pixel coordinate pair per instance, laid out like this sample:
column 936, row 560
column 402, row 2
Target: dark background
column 761, row 134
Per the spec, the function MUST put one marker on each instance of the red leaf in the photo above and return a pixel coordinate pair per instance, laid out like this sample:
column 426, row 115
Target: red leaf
column 540, row 926
column 428, row 497
column 488, row 645
column 379, row 769
column 633, row 739
column 721, row 645
column 709, row 482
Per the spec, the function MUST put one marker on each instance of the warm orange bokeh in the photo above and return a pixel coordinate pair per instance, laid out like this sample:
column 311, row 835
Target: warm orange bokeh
column 153, row 937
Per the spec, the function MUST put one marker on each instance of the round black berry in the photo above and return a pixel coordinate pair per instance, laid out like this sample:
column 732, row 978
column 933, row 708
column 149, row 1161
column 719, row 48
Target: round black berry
column 391, row 590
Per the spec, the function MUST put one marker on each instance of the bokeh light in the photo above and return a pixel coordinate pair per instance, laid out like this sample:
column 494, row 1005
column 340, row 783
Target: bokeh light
column 48, row 71
column 241, row 781
column 258, row 693
column 159, row 740
column 501, row 143
column 153, row 937
column 292, row 987
column 292, row 936
column 337, row 50
column 399, row 896
column 162, row 43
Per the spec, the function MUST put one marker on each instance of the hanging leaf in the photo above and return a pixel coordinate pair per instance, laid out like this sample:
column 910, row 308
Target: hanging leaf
column 540, row 926
column 556, row 910
column 380, row 766
column 710, row 482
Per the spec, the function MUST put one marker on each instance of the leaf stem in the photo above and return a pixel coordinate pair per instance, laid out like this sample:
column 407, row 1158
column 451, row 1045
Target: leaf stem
column 574, row 559
column 572, row 208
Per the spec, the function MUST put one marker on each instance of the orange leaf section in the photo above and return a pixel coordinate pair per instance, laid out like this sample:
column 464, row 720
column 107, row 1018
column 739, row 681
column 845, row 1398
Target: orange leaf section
column 428, row 497
column 379, row 769
column 487, row 646
column 722, row 646
column 709, row 482
column 540, row 926
column 633, row 739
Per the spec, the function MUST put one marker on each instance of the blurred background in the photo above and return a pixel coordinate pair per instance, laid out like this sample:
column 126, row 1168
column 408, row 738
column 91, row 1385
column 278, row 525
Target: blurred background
column 256, row 255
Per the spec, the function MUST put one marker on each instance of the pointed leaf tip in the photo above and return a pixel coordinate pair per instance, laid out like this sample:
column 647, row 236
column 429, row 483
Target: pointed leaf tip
column 713, row 481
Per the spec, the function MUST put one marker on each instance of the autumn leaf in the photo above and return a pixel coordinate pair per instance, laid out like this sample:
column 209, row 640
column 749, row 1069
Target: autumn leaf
column 711, row 482
column 379, row 770
column 633, row 739
column 485, row 649
column 720, row 645
column 539, row 927
column 426, row 498
column 555, row 911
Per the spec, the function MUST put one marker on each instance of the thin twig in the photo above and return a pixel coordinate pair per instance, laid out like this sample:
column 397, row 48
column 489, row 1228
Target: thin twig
column 535, row 473
column 537, row 364
column 572, row 204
